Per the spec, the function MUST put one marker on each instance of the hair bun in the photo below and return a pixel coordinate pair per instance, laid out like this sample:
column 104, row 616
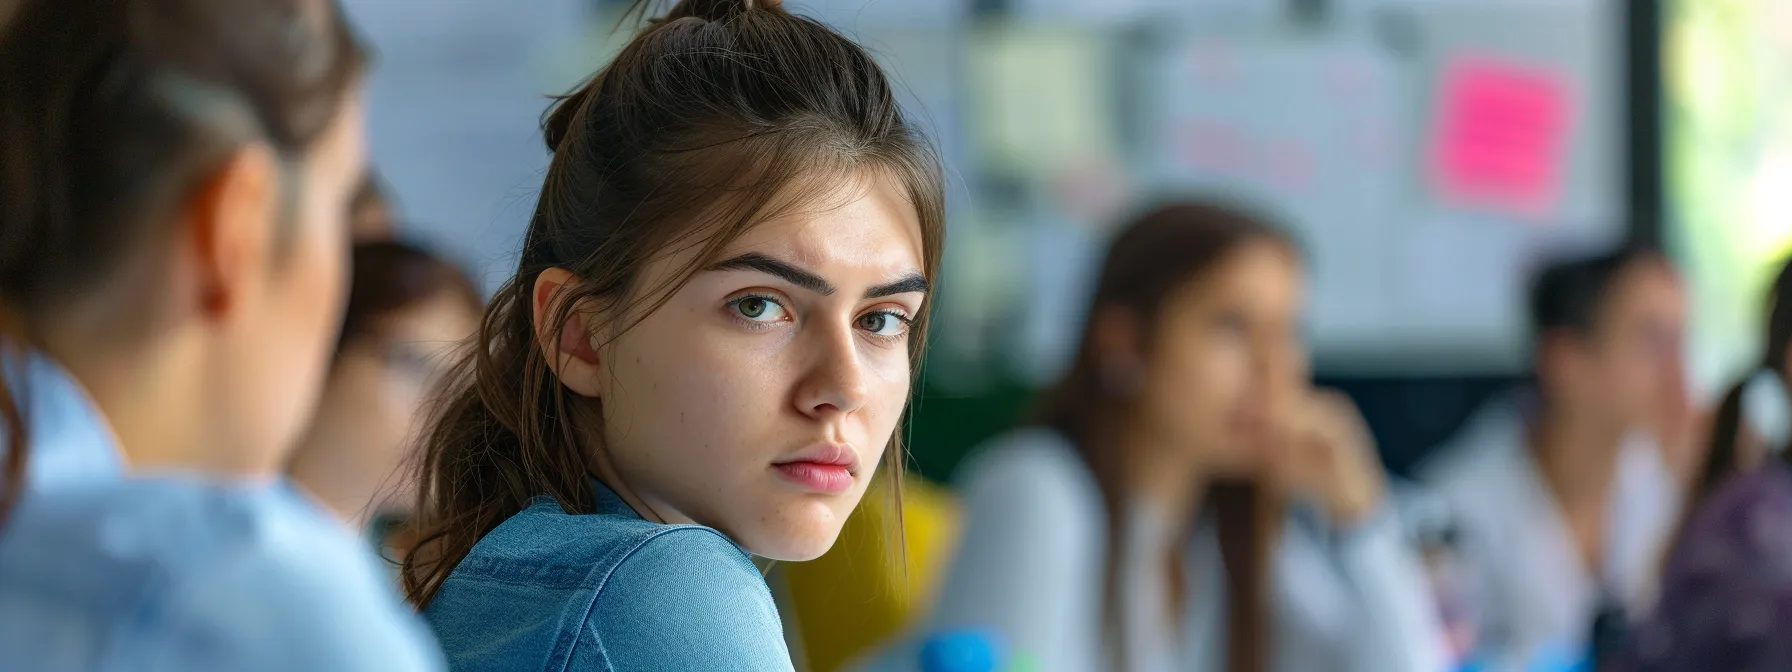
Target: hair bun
column 719, row 10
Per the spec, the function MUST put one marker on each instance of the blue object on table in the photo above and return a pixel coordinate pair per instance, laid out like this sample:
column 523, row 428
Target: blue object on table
column 962, row 651
column 1562, row 659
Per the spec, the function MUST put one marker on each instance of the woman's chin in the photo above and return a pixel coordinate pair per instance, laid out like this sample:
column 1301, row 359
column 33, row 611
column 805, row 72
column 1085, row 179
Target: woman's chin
column 797, row 536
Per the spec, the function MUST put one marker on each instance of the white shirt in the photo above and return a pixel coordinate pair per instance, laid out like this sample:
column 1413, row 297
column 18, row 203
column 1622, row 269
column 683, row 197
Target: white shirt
column 1534, row 593
column 1030, row 567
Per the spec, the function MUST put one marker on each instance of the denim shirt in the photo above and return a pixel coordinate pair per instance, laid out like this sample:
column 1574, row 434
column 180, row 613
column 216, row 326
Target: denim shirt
column 100, row 571
column 548, row 590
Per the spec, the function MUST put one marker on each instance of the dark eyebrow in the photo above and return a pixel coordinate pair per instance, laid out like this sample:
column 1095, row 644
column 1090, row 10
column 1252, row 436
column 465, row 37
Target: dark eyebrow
column 913, row 282
column 754, row 261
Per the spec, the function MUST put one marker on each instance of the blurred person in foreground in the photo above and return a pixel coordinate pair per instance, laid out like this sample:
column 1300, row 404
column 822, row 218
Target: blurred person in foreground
column 1188, row 501
column 407, row 311
column 174, row 176
column 1726, row 592
column 1564, row 495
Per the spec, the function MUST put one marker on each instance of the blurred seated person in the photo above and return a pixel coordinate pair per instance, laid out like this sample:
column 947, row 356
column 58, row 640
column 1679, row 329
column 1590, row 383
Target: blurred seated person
column 1187, row 500
column 1564, row 495
column 1754, row 418
column 407, row 311
column 1726, row 592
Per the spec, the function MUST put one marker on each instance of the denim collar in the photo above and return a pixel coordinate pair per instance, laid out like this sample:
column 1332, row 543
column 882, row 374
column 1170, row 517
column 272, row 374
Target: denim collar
column 608, row 502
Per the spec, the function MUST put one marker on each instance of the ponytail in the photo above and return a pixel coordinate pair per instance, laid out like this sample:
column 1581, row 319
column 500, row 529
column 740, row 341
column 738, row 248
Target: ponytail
column 1721, row 455
column 567, row 113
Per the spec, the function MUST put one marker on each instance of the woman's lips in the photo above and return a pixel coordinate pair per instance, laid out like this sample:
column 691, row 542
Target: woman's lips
column 829, row 479
column 825, row 467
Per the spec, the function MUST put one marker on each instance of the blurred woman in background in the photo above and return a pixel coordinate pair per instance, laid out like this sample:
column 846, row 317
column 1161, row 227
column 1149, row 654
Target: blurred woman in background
column 407, row 310
column 1726, row 590
column 1755, row 417
column 1188, row 501
column 174, row 179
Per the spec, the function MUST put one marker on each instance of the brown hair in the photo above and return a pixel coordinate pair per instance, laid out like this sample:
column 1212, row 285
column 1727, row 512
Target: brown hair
column 389, row 277
column 1152, row 258
column 702, row 126
column 112, row 112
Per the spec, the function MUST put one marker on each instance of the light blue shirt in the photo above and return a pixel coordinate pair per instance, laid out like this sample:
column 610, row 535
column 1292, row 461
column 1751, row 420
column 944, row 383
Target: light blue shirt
column 549, row 590
column 100, row 571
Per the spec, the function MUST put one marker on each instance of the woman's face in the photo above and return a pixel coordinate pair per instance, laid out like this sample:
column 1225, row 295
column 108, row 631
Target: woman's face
column 1226, row 358
column 374, row 402
column 760, row 398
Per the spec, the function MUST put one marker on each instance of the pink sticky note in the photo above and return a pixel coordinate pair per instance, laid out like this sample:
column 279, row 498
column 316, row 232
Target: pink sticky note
column 1501, row 136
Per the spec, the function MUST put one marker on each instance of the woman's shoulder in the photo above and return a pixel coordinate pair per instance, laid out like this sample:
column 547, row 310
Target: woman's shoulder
column 1030, row 457
column 543, row 545
column 599, row 588
column 1032, row 475
column 1741, row 524
column 217, row 562
column 1731, row 558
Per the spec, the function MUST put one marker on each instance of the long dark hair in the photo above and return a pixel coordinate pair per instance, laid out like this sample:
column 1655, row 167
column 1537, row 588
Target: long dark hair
column 111, row 112
column 1150, row 260
column 1721, row 460
column 700, row 128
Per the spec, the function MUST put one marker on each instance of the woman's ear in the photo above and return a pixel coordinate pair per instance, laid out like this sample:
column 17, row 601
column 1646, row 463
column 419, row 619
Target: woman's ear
column 231, row 221
column 564, row 332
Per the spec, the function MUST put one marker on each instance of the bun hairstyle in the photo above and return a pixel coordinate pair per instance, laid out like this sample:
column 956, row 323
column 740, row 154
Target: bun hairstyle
column 715, row 117
column 111, row 112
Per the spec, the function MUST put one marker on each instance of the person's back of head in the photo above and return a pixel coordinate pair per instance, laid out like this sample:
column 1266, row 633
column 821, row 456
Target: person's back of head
column 713, row 120
column 173, row 178
column 1607, row 336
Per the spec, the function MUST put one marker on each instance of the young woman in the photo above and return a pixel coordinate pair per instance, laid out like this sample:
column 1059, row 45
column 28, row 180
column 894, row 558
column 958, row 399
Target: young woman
column 1188, row 502
column 174, row 176
column 703, row 356
column 1751, row 423
column 1726, row 590
column 407, row 311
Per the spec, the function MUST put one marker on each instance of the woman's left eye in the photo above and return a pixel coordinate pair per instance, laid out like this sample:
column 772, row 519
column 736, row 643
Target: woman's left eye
column 883, row 323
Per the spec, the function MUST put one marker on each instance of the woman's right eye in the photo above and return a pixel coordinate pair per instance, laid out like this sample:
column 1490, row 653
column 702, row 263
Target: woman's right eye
column 758, row 309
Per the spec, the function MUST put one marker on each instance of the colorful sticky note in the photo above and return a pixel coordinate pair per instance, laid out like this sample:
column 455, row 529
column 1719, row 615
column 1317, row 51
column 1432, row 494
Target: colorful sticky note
column 1501, row 136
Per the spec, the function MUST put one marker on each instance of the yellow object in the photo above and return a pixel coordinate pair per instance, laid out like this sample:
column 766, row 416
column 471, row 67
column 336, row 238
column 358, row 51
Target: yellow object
column 863, row 593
